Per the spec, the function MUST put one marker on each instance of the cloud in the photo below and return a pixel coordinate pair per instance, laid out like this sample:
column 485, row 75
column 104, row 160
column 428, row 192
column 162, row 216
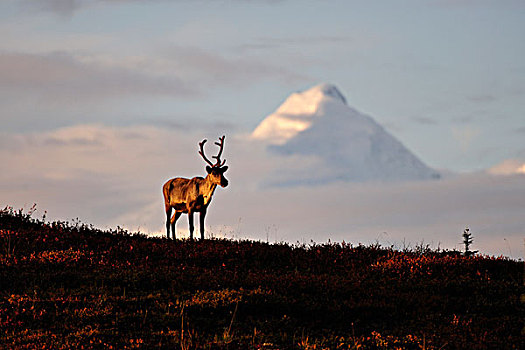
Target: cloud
column 434, row 212
column 194, row 125
column 42, row 91
column 482, row 98
column 469, row 4
column 112, row 176
column 207, row 68
column 508, row 167
column 65, row 8
column 63, row 76
column 425, row 120
column 310, row 40
column 90, row 171
column 304, row 50
column 465, row 136
column 520, row 130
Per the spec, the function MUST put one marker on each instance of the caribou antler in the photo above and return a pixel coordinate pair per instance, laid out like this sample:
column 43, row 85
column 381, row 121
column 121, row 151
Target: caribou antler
column 217, row 157
column 201, row 152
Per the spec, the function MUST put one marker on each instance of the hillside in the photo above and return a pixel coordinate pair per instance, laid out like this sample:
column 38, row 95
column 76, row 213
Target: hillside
column 69, row 285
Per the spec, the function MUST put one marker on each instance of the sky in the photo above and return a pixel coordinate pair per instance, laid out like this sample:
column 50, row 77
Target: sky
column 104, row 100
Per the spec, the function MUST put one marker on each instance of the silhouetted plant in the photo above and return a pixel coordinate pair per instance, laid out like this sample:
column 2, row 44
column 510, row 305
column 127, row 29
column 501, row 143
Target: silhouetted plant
column 467, row 241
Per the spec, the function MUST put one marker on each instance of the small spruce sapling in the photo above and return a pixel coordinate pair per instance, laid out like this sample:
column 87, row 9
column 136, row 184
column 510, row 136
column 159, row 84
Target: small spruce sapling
column 467, row 241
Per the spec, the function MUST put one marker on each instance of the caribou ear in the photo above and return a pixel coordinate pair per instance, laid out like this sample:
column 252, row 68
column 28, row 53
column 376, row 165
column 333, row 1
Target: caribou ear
column 224, row 168
column 208, row 169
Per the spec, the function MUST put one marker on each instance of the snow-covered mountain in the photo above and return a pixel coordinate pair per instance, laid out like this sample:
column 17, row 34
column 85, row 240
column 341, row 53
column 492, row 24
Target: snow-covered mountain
column 338, row 142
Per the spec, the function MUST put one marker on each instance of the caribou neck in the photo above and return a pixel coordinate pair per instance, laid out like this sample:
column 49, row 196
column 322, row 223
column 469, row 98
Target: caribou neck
column 208, row 187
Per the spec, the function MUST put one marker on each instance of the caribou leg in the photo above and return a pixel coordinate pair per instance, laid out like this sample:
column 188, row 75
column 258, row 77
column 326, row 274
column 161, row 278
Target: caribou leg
column 190, row 219
column 174, row 219
column 168, row 217
column 201, row 217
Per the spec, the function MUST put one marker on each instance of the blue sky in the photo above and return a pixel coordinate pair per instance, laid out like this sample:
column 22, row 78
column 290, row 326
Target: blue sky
column 101, row 96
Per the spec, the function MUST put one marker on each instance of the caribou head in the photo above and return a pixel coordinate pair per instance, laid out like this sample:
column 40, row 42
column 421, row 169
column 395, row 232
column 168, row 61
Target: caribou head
column 215, row 171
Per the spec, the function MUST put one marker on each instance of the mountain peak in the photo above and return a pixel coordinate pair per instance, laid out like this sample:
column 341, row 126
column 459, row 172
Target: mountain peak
column 346, row 144
column 329, row 90
column 297, row 113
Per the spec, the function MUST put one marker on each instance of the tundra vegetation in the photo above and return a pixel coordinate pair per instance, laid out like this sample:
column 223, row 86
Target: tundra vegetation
column 69, row 285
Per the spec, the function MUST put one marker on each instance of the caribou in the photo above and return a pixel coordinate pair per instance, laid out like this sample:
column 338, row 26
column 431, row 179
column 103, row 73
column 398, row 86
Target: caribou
column 194, row 195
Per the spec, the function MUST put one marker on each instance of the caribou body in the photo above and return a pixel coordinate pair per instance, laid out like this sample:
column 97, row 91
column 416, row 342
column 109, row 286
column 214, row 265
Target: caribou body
column 194, row 195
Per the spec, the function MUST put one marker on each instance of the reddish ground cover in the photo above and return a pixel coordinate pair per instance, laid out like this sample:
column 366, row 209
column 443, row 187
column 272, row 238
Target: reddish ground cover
column 73, row 286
